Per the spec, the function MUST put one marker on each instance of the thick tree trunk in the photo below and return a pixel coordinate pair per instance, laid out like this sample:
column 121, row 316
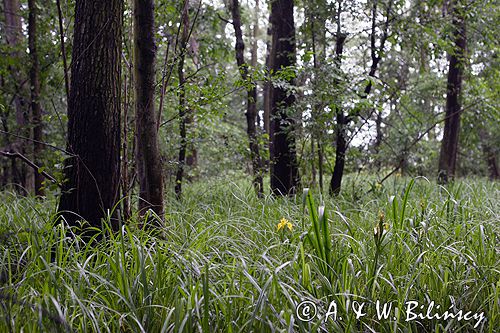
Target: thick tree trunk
column 35, row 94
column 284, row 166
column 93, row 172
column 449, row 144
column 251, row 113
column 148, row 153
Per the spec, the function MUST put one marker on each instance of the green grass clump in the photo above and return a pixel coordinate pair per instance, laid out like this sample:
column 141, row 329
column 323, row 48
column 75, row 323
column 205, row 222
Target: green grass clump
column 222, row 265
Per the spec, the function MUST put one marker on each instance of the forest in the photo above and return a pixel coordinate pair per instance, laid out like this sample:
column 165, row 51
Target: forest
column 249, row 166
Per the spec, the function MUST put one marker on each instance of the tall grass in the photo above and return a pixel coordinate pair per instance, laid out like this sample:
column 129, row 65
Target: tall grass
column 221, row 265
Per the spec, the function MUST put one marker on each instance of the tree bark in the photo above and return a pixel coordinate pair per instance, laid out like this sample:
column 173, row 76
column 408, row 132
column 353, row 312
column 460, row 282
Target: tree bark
column 251, row 112
column 148, row 153
column 35, row 95
column 449, row 144
column 93, row 171
column 284, row 166
column 125, row 181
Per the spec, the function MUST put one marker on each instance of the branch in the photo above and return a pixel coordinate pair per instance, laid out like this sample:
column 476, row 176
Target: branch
column 29, row 162
column 417, row 140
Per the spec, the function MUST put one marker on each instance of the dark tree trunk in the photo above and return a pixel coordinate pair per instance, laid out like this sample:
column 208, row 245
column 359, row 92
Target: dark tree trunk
column 284, row 168
column 342, row 119
column 93, row 171
column 251, row 112
column 449, row 144
column 183, row 108
column 148, row 153
column 35, row 94
column 342, row 122
column 341, row 149
column 125, row 182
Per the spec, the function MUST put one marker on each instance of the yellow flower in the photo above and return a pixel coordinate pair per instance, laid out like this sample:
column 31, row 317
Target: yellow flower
column 285, row 223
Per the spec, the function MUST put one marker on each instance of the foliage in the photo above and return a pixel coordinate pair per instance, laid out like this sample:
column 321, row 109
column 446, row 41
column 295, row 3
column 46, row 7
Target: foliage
column 221, row 265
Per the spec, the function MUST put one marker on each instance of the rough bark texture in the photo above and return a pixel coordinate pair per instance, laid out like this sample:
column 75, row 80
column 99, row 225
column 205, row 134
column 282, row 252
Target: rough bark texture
column 251, row 112
column 93, row 172
column 125, row 182
column 449, row 144
column 284, row 168
column 35, row 94
column 148, row 153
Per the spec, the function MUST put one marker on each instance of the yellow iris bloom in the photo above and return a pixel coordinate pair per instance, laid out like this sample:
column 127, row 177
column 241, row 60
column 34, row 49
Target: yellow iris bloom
column 285, row 223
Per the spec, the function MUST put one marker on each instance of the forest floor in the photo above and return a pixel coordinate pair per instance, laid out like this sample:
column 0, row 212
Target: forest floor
column 427, row 254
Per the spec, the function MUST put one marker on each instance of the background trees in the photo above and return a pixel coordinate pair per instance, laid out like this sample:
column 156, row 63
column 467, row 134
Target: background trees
column 329, row 87
column 149, row 164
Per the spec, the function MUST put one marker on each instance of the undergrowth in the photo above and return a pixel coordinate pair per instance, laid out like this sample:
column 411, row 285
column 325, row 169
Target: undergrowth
column 222, row 265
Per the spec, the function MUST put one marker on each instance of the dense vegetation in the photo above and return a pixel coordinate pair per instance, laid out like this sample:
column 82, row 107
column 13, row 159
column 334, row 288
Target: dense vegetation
column 249, row 166
column 222, row 265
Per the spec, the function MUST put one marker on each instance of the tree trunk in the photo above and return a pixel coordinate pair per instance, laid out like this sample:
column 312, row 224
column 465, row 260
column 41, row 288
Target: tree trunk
column 342, row 119
column 449, row 144
column 342, row 122
column 341, row 149
column 22, row 175
column 267, row 95
column 251, row 113
column 148, row 153
column 93, row 171
column 125, row 182
column 318, row 38
column 35, row 94
column 63, row 48
column 284, row 168
column 183, row 108
column 489, row 152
